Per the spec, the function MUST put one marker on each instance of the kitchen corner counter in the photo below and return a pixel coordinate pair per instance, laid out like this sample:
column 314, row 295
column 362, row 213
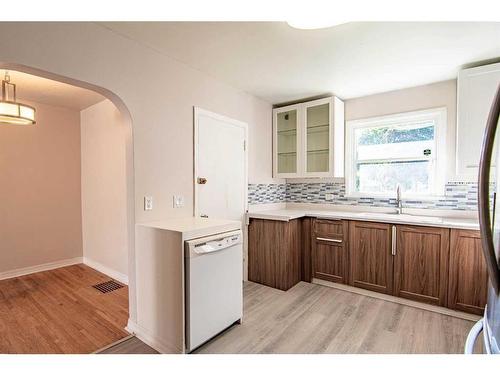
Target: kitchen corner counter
column 160, row 278
column 194, row 227
column 410, row 219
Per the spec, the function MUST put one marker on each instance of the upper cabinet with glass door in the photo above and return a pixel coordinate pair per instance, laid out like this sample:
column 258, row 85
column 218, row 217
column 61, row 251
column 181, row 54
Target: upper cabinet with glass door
column 309, row 139
column 286, row 145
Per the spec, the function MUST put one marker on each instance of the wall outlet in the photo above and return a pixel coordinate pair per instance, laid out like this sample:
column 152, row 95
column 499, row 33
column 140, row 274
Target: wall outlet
column 329, row 196
column 178, row 201
column 148, row 203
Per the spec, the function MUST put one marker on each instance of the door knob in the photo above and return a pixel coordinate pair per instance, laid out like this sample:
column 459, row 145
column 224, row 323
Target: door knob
column 202, row 180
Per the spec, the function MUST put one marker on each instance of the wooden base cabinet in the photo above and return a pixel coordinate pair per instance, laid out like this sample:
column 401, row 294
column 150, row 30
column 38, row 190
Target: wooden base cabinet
column 433, row 265
column 468, row 277
column 421, row 263
column 274, row 252
column 329, row 250
column 371, row 263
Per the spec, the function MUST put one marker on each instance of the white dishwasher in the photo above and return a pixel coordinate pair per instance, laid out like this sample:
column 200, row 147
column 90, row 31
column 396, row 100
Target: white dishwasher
column 214, row 286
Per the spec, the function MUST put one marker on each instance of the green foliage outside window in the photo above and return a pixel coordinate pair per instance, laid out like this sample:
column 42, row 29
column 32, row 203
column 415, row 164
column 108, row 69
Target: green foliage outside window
column 375, row 136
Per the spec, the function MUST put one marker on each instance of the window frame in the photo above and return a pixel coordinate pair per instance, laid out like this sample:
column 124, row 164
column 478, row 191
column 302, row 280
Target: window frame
column 438, row 177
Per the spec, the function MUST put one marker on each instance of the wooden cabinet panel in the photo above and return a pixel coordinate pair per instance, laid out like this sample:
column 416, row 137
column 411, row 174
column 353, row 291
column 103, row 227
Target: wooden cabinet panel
column 330, row 228
column 274, row 252
column 468, row 276
column 421, row 264
column 306, row 250
column 330, row 252
column 371, row 263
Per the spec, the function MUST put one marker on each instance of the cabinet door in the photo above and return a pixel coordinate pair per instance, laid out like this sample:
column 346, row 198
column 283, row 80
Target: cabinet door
column 330, row 252
column 421, row 263
column 286, row 124
column 371, row 263
column 476, row 89
column 274, row 253
column 318, row 138
column 468, row 276
column 323, row 138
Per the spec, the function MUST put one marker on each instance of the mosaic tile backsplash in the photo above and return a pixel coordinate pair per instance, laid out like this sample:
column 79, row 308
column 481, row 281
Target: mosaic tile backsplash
column 458, row 196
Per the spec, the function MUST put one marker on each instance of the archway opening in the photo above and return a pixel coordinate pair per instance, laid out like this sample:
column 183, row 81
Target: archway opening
column 67, row 220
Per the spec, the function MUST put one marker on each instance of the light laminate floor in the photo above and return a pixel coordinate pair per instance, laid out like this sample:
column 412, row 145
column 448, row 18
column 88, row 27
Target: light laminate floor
column 312, row 318
column 59, row 311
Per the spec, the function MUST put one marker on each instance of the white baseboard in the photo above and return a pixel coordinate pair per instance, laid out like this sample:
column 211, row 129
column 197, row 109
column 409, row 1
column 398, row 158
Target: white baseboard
column 150, row 339
column 39, row 268
column 106, row 270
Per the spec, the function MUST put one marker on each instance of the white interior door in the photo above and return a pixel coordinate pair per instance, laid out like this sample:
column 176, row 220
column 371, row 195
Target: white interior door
column 220, row 166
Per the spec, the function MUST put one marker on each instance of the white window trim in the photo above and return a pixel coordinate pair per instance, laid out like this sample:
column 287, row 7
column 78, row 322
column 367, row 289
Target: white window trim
column 439, row 177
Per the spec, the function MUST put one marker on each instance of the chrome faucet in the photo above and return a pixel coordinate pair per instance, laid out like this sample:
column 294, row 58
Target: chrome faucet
column 399, row 204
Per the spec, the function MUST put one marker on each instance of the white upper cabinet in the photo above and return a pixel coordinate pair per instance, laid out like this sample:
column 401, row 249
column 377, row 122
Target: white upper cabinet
column 476, row 89
column 286, row 141
column 309, row 139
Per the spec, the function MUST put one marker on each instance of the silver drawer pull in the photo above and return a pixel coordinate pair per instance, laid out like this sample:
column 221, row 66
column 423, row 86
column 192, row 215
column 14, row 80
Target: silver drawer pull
column 328, row 239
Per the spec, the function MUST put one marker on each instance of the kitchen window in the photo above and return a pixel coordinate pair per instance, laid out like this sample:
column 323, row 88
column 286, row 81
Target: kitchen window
column 407, row 149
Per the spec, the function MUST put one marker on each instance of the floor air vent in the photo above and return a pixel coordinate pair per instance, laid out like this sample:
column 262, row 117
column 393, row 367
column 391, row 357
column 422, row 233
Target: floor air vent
column 107, row 286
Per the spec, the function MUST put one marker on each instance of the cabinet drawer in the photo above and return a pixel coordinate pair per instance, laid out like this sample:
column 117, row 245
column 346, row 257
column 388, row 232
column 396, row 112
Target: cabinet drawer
column 329, row 228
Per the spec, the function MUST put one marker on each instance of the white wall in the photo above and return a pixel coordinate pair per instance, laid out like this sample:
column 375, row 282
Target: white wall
column 159, row 92
column 104, row 195
column 440, row 94
column 40, row 206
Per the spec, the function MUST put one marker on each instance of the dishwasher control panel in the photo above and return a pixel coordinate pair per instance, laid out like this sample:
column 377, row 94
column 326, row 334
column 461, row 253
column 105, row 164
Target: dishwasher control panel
column 215, row 243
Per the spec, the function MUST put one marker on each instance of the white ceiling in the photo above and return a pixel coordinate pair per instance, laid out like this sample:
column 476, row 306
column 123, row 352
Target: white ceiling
column 47, row 91
column 278, row 63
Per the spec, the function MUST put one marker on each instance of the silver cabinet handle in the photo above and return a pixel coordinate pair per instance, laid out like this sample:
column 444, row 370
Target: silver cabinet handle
column 484, row 196
column 393, row 244
column 328, row 239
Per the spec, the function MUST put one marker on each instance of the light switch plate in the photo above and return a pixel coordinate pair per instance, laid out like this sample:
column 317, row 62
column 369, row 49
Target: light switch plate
column 178, row 201
column 148, row 203
column 329, row 197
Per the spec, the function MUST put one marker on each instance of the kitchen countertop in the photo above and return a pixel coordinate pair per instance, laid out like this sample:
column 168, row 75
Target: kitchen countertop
column 194, row 227
column 411, row 219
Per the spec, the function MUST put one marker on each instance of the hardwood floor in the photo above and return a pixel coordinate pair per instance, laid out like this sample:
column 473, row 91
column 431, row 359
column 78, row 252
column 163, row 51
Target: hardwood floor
column 311, row 318
column 59, row 311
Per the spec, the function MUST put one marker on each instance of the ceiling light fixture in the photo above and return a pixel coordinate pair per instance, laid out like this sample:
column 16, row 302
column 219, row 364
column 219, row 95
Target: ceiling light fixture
column 313, row 24
column 12, row 112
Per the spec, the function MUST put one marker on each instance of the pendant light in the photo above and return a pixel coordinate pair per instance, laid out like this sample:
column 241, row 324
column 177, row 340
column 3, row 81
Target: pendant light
column 12, row 112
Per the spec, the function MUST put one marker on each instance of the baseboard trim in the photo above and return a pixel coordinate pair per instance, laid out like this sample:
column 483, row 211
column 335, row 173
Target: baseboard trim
column 159, row 345
column 402, row 301
column 106, row 270
column 39, row 268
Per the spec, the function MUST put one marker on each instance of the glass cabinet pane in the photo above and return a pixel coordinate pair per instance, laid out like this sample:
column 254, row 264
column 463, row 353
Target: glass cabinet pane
column 318, row 138
column 287, row 141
